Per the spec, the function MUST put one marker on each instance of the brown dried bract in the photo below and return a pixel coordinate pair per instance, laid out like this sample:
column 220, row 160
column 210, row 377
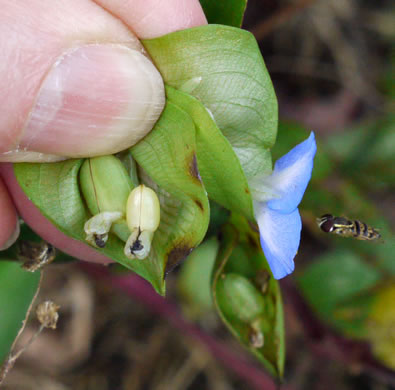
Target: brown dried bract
column 35, row 255
column 47, row 314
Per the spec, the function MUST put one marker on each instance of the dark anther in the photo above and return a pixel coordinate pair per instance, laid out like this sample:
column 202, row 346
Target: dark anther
column 137, row 246
column 99, row 241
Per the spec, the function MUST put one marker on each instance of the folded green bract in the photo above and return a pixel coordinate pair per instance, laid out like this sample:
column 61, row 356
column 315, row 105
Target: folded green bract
column 213, row 137
column 218, row 125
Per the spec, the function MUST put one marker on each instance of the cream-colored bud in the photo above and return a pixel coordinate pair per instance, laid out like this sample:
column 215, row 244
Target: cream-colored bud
column 143, row 209
column 143, row 217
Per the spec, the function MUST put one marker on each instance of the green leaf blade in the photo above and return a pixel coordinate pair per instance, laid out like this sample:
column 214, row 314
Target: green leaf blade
column 219, row 167
column 17, row 290
column 228, row 12
column 194, row 279
column 53, row 188
column 336, row 278
column 223, row 68
column 233, row 250
column 168, row 156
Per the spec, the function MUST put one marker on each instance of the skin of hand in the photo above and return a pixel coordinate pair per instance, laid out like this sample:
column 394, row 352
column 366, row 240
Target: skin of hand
column 72, row 81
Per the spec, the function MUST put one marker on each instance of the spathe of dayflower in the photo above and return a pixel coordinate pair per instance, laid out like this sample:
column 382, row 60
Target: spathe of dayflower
column 276, row 200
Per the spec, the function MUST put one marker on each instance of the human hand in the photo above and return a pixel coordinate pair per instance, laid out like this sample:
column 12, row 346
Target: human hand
column 72, row 85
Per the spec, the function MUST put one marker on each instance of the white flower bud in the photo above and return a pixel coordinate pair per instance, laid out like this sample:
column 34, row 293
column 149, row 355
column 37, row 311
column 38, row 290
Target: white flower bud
column 143, row 217
column 143, row 209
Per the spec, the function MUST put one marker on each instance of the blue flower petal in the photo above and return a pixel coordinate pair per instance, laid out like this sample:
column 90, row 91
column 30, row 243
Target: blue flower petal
column 280, row 237
column 291, row 175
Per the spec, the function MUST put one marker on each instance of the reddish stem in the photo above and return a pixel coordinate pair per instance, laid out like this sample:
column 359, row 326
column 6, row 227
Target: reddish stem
column 139, row 289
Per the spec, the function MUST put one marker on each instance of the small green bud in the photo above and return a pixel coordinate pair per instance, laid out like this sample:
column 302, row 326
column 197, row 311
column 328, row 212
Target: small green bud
column 143, row 217
column 239, row 298
column 105, row 185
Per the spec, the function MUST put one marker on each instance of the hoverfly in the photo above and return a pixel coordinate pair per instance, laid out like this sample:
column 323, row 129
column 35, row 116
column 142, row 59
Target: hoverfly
column 347, row 228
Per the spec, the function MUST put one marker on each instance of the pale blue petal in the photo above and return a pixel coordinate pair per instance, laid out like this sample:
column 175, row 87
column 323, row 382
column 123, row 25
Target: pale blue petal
column 280, row 237
column 291, row 175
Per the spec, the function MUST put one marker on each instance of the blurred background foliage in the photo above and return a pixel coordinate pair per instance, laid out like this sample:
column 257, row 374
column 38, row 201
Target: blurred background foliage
column 332, row 65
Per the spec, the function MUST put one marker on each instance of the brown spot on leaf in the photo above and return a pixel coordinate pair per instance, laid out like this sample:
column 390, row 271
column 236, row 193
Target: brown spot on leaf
column 253, row 226
column 176, row 256
column 251, row 241
column 193, row 168
column 199, row 204
column 247, row 191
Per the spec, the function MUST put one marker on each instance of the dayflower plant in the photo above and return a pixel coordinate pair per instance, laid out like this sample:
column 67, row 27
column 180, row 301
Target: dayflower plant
column 276, row 200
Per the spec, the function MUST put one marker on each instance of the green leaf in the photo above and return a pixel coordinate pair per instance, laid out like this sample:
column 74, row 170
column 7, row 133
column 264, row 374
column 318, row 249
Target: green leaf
column 229, row 12
column 367, row 153
column 53, row 188
column 267, row 310
column 223, row 68
column 218, row 164
column 17, row 290
column 352, row 317
column 167, row 155
column 218, row 217
column 194, row 279
column 335, row 278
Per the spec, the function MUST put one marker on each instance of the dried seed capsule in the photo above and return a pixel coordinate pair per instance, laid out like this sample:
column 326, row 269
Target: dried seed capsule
column 47, row 314
column 106, row 186
column 143, row 217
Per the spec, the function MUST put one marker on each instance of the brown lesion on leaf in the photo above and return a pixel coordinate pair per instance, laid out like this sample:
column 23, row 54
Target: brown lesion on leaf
column 247, row 190
column 176, row 255
column 193, row 168
column 199, row 204
column 254, row 226
column 252, row 241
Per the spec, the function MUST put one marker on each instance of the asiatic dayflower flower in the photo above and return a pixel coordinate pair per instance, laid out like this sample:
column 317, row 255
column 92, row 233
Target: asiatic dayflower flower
column 276, row 199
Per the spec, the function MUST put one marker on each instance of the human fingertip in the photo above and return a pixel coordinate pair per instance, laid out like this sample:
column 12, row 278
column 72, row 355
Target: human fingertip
column 9, row 223
column 152, row 18
column 96, row 99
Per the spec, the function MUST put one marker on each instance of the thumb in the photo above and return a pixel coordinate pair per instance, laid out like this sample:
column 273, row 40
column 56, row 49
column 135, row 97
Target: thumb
column 85, row 100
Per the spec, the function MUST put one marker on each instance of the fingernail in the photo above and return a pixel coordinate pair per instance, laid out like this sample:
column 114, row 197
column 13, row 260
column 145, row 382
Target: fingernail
column 95, row 100
column 11, row 240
